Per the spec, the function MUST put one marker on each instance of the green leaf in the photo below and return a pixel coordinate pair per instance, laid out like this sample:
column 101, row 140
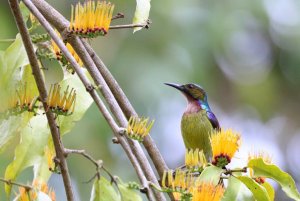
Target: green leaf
column 141, row 14
column 211, row 174
column 14, row 57
column 34, row 137
column 128, row 194
column 287, row 183
column 25, row 12
column 232, row 189
column 103, row 190
column 259, row 192
column 270, row 190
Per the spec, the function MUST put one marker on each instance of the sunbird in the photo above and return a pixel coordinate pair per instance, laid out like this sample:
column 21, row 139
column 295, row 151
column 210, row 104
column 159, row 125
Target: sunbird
column 198, row 120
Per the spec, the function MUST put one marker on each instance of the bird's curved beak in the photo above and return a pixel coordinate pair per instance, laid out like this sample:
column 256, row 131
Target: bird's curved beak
column 176, row 86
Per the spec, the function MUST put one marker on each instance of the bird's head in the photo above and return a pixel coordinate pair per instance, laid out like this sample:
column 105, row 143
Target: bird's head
column 191, row 91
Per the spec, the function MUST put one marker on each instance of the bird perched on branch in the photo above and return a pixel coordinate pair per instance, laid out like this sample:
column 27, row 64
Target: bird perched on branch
column 198, row 121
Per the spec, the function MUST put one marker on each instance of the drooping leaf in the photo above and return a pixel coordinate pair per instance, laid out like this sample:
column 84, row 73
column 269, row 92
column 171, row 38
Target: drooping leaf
column 11, row 61
column 34, row 137
column 141, row 14
column 232, row 189
column 41, row 170
column 103, row 190
column 211, row 174
column 287, row 183
column 9, row 128
column 66, row 123
column 25, row 12
column 127, row 192
column 13, row 58
column 258, row 191
column 270, row 190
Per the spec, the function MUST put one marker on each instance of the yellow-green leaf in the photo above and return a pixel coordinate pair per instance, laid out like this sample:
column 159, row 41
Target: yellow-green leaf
column 211, row 174
column 103, row 190
column 129, row 194
column 34, row 137
column 270, row 190
column 287, row 183
column 259, row 192
column 141, row 14
column 232, row 189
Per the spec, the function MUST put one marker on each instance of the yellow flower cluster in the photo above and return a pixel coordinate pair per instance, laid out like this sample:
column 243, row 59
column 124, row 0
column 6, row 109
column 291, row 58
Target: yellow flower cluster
column 138, row 128
column 195, row 159
column 20, row 99
column 92, row 18
column 186, row 184
column 50, row 153
column 224, row 144
column 207, row 192
column 61, row 104
column 180, row 181
column 28, row 195
column 62, row 59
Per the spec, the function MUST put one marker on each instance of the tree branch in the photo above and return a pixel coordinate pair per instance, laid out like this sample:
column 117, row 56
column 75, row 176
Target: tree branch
column 9, row 182
column 92, row 92
column 14, row 4
column 62, row 25
column 127, row 108
column 124, row 26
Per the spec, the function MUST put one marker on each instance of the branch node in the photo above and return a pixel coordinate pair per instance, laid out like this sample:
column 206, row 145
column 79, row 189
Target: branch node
column 115, row 140
column 122, row 131
column 90, row 88
column 144, row 190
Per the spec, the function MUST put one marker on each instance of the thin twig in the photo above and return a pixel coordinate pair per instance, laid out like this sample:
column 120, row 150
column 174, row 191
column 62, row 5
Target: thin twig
column 124, row 26
column 49, row 10
column 9, row 182
column 118, row 16
column 229, row 172
column 14, row 4
column 97, row 163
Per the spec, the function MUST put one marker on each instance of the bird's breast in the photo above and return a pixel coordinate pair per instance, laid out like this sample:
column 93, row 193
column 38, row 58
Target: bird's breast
column 196, row 129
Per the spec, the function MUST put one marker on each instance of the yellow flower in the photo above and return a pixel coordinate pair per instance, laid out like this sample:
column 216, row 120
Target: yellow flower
column 181, row 181
column 25, row 195
column 224, row 144
column 138, row 128
column 50, row 155
column 61, row 104
column 60, row 57
column 91, row 18
column 207, row 192
column 195, row 159
column 266, row 158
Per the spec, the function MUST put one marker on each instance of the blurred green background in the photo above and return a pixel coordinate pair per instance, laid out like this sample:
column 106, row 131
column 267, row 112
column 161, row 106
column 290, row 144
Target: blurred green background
column 244, row 53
